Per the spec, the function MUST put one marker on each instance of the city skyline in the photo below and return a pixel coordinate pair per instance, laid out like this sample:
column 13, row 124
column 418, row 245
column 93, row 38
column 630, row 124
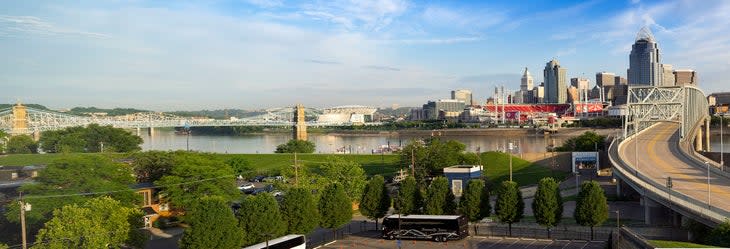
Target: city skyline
column 258, row 54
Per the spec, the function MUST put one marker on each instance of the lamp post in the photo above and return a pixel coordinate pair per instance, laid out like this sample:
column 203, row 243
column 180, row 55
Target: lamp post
column 708, row 184
column 722, row 145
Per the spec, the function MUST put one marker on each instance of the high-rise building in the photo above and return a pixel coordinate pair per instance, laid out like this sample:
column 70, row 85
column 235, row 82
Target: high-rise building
column 538, row 93
column 463, row 95
column 527, row 81
column 667, row 75
column 582, row 84
column 645, row 60
column 685, row 77
column 573, row 95
column 555, row 82
column 605, row 79
column 451, row 107
column 618, row 80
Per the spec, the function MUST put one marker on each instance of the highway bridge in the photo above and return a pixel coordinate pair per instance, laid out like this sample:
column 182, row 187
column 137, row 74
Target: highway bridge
column 24, row 120
column 663, row 130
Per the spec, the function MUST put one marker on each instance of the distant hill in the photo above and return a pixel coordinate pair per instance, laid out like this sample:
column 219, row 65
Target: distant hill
column 398, row 112
column 86, row 111
column 34, row 106
column 219, row 114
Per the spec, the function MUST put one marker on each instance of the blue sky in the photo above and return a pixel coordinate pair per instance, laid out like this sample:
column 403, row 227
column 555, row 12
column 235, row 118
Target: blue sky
column 187, row 55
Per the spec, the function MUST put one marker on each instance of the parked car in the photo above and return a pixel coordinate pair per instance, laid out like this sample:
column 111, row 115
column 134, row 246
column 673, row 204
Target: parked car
column 258, row 178
column 246, row 186
column 273, row 179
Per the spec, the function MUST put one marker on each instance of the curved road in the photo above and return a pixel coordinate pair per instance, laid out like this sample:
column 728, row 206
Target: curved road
column 659, row 158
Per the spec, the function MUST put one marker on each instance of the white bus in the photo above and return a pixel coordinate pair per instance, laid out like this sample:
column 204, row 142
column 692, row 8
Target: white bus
column 291, row 241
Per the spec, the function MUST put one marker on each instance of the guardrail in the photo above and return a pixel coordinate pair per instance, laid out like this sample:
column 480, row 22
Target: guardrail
column 660, row 193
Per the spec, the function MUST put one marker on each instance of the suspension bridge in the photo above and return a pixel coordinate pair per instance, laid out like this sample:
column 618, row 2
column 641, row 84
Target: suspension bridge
column 20, row 119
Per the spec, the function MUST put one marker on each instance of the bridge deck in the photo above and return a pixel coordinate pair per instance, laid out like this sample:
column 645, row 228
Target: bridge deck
column 659, row 157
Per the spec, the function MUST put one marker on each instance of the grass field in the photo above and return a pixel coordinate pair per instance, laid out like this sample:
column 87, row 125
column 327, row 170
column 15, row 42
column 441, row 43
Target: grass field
column 496, row 165
column 677, row 244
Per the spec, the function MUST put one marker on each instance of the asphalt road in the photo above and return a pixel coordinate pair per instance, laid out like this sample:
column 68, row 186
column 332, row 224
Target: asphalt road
column 659, row 158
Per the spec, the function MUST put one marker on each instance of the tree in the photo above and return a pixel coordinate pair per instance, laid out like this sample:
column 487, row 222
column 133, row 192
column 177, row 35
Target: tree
column 299, row 210
column 194, row 175
column 91, row 138
column 375, row 200
column 150, row 166
column 3, row 141
column 98, row 223
column 720, row 236
column 433, row 155
column 296, row 146
column 588, row 141
column 473, row 205
column 591, row 208
column 261, row 219
column 509, row 206
column 335, row 207
column 439, row 198
column 240, row 165
column 212, row 225
column 22, row 144
column 409, row 197
column 73, row 175
column 347, row 173
column 548, row 204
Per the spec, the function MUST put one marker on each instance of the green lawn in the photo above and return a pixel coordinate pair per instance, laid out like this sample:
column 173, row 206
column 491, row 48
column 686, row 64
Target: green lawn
column 496, row 165
column 677, row 244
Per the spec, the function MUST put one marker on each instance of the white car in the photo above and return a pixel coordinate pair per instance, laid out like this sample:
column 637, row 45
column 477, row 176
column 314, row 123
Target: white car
column 246, row 186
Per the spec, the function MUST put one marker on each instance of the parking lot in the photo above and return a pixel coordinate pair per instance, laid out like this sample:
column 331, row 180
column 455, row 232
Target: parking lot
column 371, row 241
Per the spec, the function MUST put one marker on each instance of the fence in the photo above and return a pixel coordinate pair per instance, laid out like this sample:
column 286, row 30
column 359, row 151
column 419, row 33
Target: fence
column 538, row 232
column 321, row 236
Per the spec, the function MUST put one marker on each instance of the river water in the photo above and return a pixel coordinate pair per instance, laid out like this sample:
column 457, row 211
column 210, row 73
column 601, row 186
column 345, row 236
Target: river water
column 326, row 143
column 357, row 144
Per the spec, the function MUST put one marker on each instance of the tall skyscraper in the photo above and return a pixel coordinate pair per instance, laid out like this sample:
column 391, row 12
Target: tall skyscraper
column 582, row 84
column 645, row 61
column 605, row 79
column 463, row 95
column 667, row 75
column 555, row 82
column 527, row 81
column 685, row 77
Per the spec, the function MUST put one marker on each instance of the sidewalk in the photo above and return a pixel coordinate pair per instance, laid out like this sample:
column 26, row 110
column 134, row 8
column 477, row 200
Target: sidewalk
column 156, row 233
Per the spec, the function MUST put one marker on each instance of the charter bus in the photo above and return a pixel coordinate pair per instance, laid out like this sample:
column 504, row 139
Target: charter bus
column 291, row 241
column 427, row 227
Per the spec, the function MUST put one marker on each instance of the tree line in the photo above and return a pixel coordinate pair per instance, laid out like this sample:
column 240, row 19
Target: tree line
column 78, row 139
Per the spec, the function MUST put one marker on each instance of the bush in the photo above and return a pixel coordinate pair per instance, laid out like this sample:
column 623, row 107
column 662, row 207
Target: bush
column 296, row 146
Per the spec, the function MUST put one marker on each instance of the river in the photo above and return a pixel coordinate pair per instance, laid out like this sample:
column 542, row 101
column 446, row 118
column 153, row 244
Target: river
column 328, row 143
column 357, row 144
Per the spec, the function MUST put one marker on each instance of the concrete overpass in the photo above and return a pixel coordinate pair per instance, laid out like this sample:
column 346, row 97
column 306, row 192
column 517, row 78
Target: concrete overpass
column 661, row 146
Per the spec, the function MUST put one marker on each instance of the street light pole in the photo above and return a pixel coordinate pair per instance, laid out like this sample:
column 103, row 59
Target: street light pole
column 708, row 184
column 722, row 145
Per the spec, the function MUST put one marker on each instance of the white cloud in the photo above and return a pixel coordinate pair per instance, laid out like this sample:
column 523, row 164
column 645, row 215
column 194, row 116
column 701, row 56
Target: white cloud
column 36, row 26
column 360, row 15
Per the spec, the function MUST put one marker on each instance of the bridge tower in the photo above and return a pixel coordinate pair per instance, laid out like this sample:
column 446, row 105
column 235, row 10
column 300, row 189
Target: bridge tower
column 20, row 120
column 300, row 126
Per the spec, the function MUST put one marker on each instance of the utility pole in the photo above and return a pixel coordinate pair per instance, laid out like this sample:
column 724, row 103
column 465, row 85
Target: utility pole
column 413, row 164
column 510, row 161
column 722, row 145
column 23, row 208
column 296, row 170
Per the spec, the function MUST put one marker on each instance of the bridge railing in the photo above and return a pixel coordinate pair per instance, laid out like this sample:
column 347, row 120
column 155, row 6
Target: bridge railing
column 659, row 192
